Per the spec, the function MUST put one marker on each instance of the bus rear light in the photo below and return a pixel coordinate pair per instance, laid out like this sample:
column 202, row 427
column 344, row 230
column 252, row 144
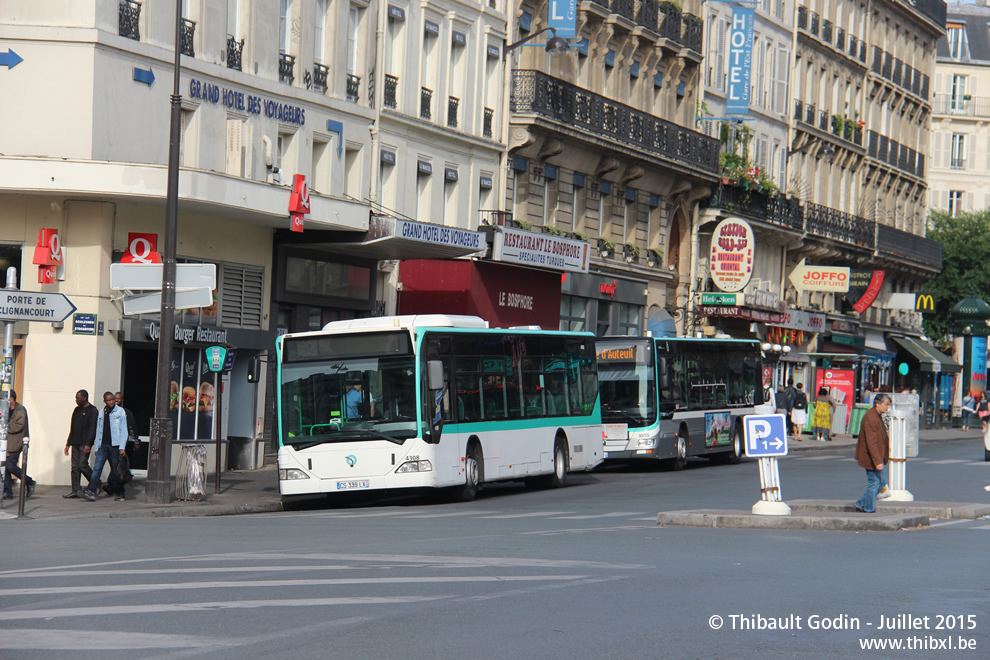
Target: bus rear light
column 291, row 474
column 415, row 466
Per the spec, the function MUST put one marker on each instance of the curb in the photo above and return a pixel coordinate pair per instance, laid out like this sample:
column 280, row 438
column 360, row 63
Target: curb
column 955, row 510
column 814, row 521
column 207, row 510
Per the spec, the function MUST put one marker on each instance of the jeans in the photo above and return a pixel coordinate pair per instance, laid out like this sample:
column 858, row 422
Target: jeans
column 12, row 468
column 103, row 454
column 80, row 466
column 966, row 417
column 875, row 481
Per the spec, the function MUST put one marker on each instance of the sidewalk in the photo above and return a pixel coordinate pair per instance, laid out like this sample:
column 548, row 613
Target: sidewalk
column 256, row 491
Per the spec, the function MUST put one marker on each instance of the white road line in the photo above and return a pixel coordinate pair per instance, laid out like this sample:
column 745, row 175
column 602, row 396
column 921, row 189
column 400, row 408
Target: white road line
column 449, row 515
column 818, row 458
column 175, row 571
column 579, row 530
column 117, row 610
column 950, row 522
column 948, row 461
column 981, row 527
column 850, row 460
column 217, row 584
column 613, row 514
column 348, row 515
column 533, row 514
column 651, row 519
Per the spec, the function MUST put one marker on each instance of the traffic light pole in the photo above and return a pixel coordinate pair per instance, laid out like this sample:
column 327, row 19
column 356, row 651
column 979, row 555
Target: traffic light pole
column 159, row 486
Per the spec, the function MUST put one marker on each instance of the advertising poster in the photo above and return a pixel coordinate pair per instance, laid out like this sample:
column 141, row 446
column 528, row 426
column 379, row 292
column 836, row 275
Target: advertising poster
column 978, row 365
column 175, row 390
column 840, row 384
column 204, row 402
column 187, row 395
column 718, row 427
column 731, row 258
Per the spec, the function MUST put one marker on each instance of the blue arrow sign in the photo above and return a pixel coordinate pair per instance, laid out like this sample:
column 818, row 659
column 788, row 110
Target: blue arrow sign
column 144, row 75
column 10, row 59
column 765, row 435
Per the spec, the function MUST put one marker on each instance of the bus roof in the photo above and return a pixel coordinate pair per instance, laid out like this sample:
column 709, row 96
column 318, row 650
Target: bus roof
column 701, row 340
column 408, row 322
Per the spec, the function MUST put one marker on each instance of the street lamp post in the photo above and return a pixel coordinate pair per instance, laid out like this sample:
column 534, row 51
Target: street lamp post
column 159, row 486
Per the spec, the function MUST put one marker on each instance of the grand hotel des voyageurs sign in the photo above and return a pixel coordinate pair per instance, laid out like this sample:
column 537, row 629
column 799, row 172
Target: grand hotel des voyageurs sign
column 731, row 258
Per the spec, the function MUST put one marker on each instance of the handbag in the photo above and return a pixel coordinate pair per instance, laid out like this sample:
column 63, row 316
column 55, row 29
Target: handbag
column 122, row 471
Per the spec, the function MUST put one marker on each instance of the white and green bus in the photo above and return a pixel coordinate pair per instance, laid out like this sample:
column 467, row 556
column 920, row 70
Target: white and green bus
column 669, row 398
column 434, row 401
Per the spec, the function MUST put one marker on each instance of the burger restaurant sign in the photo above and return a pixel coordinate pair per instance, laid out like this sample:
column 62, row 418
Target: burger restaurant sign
column 190, row 333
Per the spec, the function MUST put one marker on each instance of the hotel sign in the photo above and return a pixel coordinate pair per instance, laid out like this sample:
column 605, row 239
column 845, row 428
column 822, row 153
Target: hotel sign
column 541, row 250
column 740, row 60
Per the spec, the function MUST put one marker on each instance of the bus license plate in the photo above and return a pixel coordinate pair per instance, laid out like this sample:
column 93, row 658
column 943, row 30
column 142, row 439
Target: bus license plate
column 352, row 485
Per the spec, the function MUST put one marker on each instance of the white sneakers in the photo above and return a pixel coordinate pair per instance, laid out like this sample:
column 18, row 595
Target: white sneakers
column 884, row 493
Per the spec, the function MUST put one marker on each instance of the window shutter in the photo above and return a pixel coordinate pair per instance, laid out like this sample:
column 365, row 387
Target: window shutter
column 780, row 84
column 937, row 160
column 233, row 163
column 241, row 289
column 247, row 142
column 720, row 60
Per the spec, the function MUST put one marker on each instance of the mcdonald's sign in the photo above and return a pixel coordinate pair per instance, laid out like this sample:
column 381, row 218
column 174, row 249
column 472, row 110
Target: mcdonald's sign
column 924, row 302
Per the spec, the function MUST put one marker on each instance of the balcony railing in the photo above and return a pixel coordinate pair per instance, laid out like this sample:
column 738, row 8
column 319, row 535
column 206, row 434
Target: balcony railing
column 773, row 209
column 187, row 30
column 827, row 31
column 798, row 110
column 839, row 226
column 425, row 103
column 823, row 120
column 536, row 93
column 933, row 9
column 489, row 120
column 452, row 104
column 624, row 8
column 648, row 14
column 692, row 35
column 235, row 52
column 286, row 66
column 961, row 106
column 670, row 21
column 802, row 18
column 853, row 45
column 888, row 66
column 909, row 246
column 809, row 114
column 895, row 75
column 129, row 19
column 320, row 73
column 354, row 88
column 840, row 38
column 815, row 19
column 877, row 59
column 391, row 89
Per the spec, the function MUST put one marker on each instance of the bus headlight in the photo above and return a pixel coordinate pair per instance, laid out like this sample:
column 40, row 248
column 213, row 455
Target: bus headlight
column 291, row 474
column 647, row 443
column 415, row 466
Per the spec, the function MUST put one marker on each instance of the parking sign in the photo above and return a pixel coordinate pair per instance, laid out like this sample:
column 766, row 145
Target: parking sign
column 765, row 435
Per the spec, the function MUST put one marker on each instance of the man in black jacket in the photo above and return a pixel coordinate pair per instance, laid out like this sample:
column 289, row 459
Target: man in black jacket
column 82, row 431
column 132, row 437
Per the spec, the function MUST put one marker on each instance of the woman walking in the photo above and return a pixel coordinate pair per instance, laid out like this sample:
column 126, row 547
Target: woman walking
column 968, row 410
column 821, row 423
column 983, row 410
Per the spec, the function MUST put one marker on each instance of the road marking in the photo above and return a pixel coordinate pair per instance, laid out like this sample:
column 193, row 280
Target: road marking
column 850, row 460
column 449, row 515
column 117, row 610
column 344, row 515
column 651, row 519
column 217, row 584
column 579, row 530
column 613, row 514
column 534, row 514
column 950, row 522
column 981, row 527
column 818, row 458
column 949, row 461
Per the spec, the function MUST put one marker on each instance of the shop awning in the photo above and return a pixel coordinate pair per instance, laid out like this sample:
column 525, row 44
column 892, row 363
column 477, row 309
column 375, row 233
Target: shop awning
column 394, row 238
column 930, row 358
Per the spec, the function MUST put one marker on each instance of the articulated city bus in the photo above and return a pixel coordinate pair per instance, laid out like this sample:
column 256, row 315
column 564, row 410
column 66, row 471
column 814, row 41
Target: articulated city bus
column 671, row 398
column 434, row 401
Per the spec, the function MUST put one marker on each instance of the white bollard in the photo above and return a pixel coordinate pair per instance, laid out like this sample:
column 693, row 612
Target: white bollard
column 898, row 458
column 770, row 504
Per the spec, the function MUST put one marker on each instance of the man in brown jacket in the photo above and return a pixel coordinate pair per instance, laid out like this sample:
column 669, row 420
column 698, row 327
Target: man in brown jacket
column 17, row 429
column 872, row 452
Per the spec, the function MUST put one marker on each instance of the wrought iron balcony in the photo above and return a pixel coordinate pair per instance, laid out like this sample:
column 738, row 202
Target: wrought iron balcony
column 888, row 65
column 648, row 14
column 354, row 88
column 853, row 45
column 391, row 90
column 187, row 30
column 773, row 209
column 924, row 86
column 877, row 59
column 809, row 114
column 670, row 21
column 798, row 110
column 129, row 19
column 538, row 94
column 286, row 66
column 692, row 35
column 425, row 103
column 235, row 52
column 895, row 76
column 320, row 73
column 961, row 106
column 933, row 9
column 452, row 104
column 815, row 19
column 802, row 18
column 827, row 31
column 624, row 8
column 840, row 38
column 823, row 120
column 839, row 226
column 906, row 245
column 489, row 120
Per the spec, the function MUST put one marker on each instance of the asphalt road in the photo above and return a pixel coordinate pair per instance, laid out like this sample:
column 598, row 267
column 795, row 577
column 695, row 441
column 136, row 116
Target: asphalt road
column 582, row 572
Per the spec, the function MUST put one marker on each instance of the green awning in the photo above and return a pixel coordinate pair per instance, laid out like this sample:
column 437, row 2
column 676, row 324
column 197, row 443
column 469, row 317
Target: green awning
column 930, row 358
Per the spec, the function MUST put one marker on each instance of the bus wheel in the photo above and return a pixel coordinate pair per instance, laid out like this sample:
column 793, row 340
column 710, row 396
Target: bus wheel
column 735, row 456
column 679, row 461
column 472, row 475
column 559, row 476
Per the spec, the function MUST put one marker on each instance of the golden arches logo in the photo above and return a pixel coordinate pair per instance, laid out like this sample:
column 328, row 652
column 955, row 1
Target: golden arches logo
column 924, row 302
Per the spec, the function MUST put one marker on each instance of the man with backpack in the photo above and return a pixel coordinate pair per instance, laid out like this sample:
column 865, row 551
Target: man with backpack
column 790, row 394
column 799, row 412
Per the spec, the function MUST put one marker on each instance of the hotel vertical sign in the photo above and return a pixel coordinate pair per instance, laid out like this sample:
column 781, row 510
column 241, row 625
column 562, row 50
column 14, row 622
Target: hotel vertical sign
column 740, row 60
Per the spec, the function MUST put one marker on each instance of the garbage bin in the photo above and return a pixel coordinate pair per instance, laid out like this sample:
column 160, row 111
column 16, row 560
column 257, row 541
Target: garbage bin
column 190, row 478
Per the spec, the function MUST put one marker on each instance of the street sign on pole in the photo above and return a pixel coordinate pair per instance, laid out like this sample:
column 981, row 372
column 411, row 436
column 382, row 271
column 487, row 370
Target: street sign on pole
column 149, row 303
column 765, row 435
column 34, row 306
column 139, row 277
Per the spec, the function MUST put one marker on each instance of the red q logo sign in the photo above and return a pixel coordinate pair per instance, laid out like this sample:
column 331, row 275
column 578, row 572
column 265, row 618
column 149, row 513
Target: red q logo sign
column 141, row 249
column 298, row 202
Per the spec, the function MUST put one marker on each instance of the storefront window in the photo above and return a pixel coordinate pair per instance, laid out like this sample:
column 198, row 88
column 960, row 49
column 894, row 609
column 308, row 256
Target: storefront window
column 192, row 395
column 573, row 313
column 10, row 255
column 629, row 319
column 325, row 278
column 604, row 320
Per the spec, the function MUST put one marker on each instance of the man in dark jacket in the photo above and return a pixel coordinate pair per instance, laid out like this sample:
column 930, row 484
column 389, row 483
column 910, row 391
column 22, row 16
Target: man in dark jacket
column 133, row 442
column 873, row 451
column 82, row 431
column 17, row 430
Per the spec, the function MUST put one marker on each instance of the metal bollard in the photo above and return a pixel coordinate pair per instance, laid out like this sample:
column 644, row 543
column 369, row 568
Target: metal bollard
column 898, row 458
column 771, row 503
column 24, row 477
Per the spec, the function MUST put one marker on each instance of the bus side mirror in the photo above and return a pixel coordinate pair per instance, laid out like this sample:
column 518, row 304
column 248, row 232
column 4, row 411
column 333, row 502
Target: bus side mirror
column 434, row 375
column 663, row 380
column 254, row 370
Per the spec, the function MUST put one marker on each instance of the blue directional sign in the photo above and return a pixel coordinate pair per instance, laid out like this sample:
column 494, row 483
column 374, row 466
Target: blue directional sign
column 147, row 76
column 563, row 18
column 10, row 59
column 765, row 435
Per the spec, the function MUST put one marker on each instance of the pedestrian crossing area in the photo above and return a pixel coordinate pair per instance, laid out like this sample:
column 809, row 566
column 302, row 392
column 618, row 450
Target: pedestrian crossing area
column 845, row 458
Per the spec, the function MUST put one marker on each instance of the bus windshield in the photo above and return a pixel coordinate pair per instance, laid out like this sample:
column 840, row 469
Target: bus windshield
column 626, row 379
column 348, row 388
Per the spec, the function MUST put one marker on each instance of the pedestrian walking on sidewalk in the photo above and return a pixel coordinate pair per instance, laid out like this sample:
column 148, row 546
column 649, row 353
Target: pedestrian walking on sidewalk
column 799, row 415
column 968, row 410
column 110, row 440
column 133, row 441
column 873, row 452
column 983, row 410
column 82, row 431
column 17, row 430
column 821, row 423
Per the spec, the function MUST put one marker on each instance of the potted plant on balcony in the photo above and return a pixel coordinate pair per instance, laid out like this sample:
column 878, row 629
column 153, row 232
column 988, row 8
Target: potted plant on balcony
column 581, row 236
column 606, row 247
